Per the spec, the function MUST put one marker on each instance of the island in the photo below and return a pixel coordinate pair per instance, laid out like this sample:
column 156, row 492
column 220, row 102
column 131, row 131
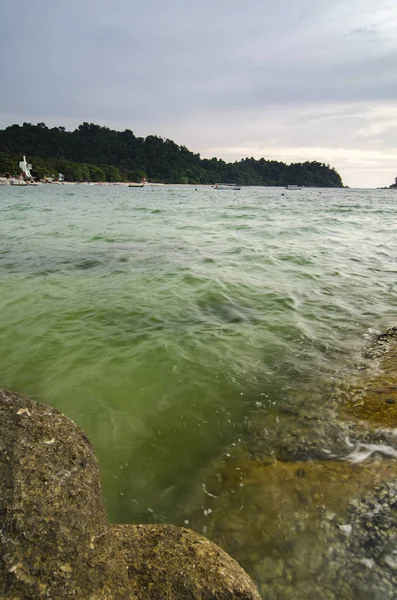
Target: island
column 98, row 154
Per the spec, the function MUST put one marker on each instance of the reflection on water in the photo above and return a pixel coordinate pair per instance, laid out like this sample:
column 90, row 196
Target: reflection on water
column 174, row 325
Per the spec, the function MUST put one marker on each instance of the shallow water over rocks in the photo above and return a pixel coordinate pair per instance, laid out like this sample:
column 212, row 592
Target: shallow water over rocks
column 319, row 521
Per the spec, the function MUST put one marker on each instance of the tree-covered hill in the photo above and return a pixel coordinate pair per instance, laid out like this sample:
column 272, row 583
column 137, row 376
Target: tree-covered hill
column 95, row 153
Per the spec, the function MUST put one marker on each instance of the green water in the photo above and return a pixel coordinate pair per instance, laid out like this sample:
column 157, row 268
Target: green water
column 161, row 319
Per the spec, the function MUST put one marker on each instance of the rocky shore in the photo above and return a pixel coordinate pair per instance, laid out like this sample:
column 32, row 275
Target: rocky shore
column 307, row 502
column 56, row 541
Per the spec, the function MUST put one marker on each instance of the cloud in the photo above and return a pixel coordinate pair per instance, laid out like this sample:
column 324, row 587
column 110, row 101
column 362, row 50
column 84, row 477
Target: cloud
column 294, row 76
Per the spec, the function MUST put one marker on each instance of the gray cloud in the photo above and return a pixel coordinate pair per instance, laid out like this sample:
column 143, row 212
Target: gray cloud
column 185, row 70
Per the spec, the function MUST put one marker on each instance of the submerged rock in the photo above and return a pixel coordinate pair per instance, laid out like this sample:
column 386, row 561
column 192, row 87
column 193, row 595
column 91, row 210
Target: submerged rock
column 331, row 523
column 55, row 539
column 370, row 396
column 309, row 493
column 169, row 562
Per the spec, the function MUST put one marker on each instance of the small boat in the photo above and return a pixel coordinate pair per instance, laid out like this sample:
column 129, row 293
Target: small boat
column 20, row 182
column 293, row 187
column 138, row 185
column 226, row 186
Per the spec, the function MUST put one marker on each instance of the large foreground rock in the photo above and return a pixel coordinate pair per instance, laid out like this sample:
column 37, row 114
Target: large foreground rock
column 54, row 536
column 170, row 562
column 55, row 539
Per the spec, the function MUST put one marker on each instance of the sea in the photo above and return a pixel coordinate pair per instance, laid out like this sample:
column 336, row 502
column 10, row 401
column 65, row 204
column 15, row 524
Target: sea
column 165, row 320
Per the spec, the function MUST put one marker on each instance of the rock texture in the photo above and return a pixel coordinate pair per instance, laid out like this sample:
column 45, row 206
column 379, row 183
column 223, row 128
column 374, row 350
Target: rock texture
column 55, row 539
column 173, row 562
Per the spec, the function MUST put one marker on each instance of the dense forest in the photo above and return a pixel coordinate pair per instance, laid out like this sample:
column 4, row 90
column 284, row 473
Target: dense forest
column 95, row 153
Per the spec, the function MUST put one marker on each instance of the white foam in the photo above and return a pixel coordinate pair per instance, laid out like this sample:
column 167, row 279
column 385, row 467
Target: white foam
column 363, row 451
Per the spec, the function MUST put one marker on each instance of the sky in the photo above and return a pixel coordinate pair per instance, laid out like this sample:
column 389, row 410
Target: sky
column 290, row 80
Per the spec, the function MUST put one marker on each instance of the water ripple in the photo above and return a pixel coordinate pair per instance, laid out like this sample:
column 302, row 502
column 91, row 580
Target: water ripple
column 158, row 323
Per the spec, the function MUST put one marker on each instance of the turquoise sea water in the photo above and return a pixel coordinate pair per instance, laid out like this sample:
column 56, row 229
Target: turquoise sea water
column 161, row 319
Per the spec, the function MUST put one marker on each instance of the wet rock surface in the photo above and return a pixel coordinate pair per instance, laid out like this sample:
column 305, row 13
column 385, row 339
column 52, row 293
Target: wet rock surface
column 360, row 409
column 307, row 501
column 170, row 562
column 55, row 539
column 370, row 396
column 316, row 530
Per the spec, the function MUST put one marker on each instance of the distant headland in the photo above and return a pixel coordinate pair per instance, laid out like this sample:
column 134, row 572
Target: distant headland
column 393, row 186
column 95, row 153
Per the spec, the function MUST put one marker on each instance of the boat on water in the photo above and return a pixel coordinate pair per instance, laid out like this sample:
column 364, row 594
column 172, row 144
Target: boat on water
column 293, row 187
column 226, row 186
column 23, row 182
column 19, row 182
column 138, row 185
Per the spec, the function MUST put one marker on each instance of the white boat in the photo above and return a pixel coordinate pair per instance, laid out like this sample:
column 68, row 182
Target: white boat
column 293, row 187
column 226, row 186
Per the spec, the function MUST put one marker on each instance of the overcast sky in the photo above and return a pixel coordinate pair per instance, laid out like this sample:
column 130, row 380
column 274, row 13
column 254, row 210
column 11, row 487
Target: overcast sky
column 291, row 80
